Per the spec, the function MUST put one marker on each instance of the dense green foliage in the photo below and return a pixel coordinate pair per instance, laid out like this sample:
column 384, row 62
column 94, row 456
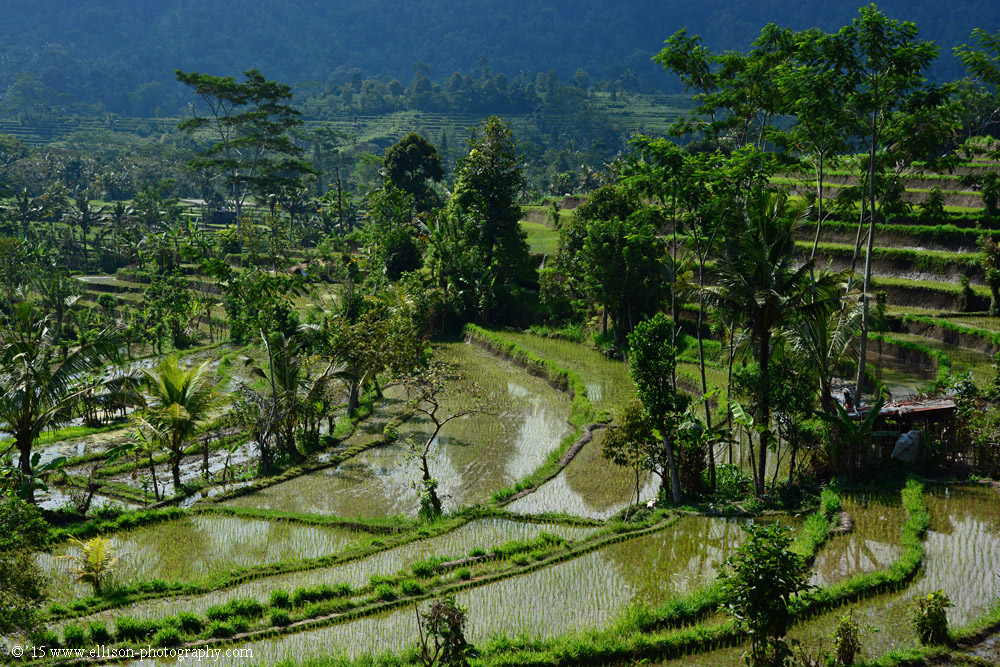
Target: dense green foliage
column 23, row 534
column 98, row 58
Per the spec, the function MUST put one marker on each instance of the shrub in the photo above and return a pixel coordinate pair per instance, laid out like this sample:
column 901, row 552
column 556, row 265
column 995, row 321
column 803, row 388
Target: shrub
column 99, row 633
column 301, row 596
column 133, row 629
column 189, row 622
column 217, row 612
column 245, row 607
column 385, row 592
column 731, row 483
column 280, row 599
column 280, row 617
column 220, row 629
column 758, row 584
column 424, row 569
column 931, row 618
column 157, row 586
column 167, row 636
column 48, row 638
column 410, row 588
column 847, row 639
column 477, row 552
column 239, row 623
column 463, row 573
column 443, row 636
column 73, row 636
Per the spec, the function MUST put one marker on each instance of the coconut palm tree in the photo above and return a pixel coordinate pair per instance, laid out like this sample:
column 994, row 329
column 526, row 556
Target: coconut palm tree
column 824, row 341
column 39, row 387
column 80, row 213
column 94, row 562
column 179, row 405
column 761, row 286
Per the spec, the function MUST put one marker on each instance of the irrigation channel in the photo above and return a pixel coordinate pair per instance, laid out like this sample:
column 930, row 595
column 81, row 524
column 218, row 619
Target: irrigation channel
column 343, row 540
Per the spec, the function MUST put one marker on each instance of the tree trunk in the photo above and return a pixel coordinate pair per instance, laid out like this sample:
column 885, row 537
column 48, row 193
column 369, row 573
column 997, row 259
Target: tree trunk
column 729, row 383
column 204, row 459
column 863, row 348
column 83, row 233
column 175, row 469
column 704, row 381
column 765, row 411
column 791, row 463
column 152, row 474
column 675, row 482
column 24, row 463
column 819, row 206
column 352, row 399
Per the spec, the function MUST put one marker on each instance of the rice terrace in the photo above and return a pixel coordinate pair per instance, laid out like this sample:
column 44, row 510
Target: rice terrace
column 694, row 360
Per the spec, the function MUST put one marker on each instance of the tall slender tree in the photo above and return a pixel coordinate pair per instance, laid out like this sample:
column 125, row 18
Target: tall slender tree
column 762, row 284
column 180, row 402
column 883, row 64
column 39, row 386
column 250, row 121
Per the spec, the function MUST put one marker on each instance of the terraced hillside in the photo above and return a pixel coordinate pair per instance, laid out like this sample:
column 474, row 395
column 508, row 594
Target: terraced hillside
column 328, row 560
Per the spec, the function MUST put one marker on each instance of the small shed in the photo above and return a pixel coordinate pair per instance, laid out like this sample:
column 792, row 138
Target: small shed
column 933, row 417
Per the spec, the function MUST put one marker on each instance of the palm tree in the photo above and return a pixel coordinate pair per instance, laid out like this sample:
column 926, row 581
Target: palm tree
column 760, row 286
column 94, row 562
column 39, row 388
column 81, row 214
column 179, row 404
column 824, row 341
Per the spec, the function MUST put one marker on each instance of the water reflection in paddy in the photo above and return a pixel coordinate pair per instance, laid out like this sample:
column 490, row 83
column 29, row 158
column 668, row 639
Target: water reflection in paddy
column 474, row 457
column 962, row 556
column 194, row 548
column 589, row 486
column 480, row 534
column 872, row 545
column 589, row 591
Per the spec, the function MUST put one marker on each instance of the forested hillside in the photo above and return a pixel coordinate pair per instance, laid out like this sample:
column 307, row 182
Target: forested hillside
column 88, row 57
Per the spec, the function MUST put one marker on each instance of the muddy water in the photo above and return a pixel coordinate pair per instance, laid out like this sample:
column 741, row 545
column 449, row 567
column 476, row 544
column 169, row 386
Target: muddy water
column 962, row 556
column 589, row 486
column 481, row 534
column 902, row 378
column 609, row 385
column 55, row 499
column 194, row 548
column 473, row 456
column 873, row 545
column 586, row 592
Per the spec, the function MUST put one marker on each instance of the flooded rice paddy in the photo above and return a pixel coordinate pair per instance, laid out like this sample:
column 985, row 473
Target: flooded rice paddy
column 962, row 557
column 589, row 591
column 901, row 378
column 196, row 547
column 482, row 534
column 473, row 457
column 477, row 455
column 590, row 486
column 609, row 385
column 872, row 545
